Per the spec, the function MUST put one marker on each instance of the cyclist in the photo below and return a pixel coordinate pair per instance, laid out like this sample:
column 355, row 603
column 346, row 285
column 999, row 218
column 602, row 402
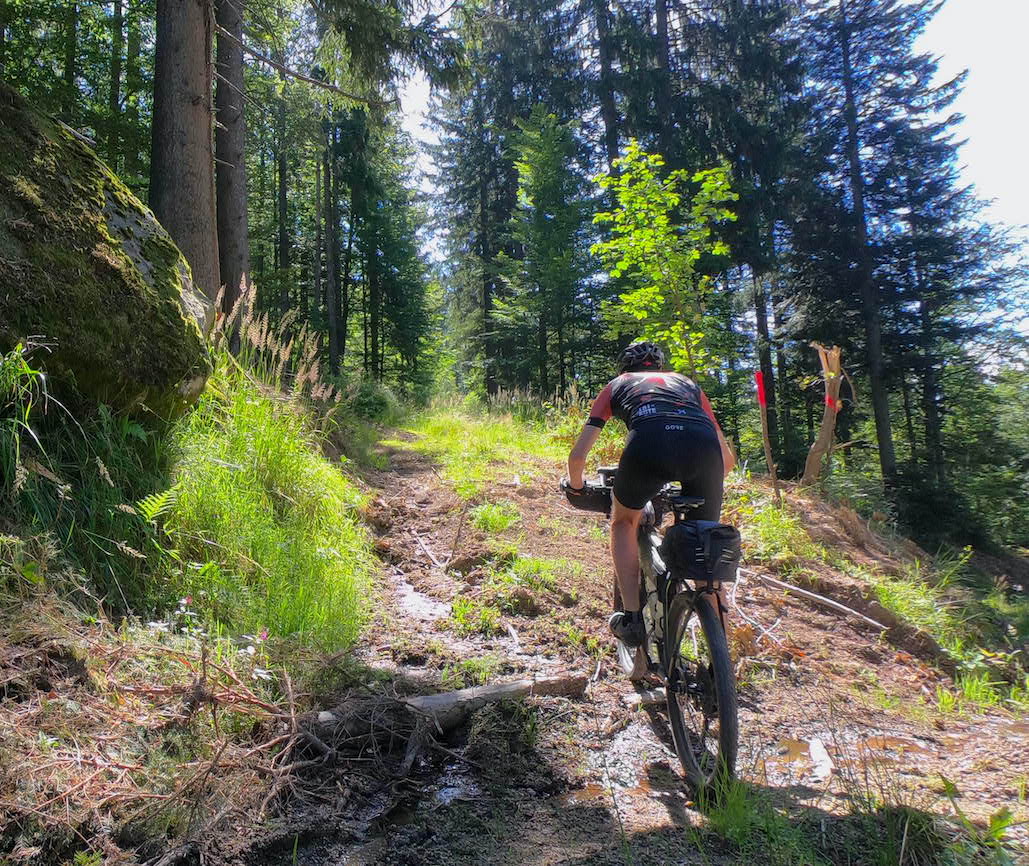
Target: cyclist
column 673, row 436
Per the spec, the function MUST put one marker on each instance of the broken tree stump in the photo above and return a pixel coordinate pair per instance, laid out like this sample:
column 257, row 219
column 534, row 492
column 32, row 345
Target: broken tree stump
column 833, row 375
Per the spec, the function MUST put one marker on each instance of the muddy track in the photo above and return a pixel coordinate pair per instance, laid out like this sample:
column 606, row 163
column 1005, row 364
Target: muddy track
column 595, row 780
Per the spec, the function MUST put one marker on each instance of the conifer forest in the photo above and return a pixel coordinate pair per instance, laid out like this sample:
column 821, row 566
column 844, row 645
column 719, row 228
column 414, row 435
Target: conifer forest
column 304, row 308
column 787, row 173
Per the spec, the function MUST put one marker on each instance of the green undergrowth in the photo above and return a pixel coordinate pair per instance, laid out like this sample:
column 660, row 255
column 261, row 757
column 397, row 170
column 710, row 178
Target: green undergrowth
column 979, row 622
column 476, row 453
column 232, row 507
column 881, row 829
column 507, row 442
column 476, row 671
column 472, row 616
column 495, row 516
column 266, row 530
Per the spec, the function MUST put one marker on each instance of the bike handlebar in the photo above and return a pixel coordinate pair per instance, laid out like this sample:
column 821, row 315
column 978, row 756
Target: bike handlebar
column 597, row 496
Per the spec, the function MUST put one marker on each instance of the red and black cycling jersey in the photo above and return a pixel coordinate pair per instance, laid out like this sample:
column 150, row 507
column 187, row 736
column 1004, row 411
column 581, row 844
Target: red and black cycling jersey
column 634, row 397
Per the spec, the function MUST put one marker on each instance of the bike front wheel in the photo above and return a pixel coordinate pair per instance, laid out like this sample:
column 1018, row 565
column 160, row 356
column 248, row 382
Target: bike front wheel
column 701, row 691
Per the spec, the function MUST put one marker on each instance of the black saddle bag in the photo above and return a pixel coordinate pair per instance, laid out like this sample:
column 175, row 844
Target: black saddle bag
column 702, row 549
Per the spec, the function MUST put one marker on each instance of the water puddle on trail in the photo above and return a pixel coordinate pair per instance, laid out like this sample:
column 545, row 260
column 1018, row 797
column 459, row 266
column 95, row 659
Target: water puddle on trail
column 812, row 758
column 418, row 604
column 581, row 796
column 883, row 743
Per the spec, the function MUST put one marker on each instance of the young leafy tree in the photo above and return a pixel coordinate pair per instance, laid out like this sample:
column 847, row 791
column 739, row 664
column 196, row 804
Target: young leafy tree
column 661, row 231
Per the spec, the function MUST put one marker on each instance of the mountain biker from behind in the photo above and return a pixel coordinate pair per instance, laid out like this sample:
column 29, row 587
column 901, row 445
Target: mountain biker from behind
column 673, row 436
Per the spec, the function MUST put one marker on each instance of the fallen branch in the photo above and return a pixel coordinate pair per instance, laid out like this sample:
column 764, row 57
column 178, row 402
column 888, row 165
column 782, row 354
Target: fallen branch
column 644, row 698
column 450, row 708
column 457, row 535
column 514, row 636
column 762, row 631
column 819, row 599
column 428, row 552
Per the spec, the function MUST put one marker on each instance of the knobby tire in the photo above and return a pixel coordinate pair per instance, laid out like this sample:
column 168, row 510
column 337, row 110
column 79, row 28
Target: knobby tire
column 702, row 770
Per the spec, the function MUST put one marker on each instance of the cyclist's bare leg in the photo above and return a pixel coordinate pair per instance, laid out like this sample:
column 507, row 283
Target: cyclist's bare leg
column 625, row 553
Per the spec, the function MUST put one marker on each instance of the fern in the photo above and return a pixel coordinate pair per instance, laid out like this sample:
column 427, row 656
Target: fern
column 157, row 504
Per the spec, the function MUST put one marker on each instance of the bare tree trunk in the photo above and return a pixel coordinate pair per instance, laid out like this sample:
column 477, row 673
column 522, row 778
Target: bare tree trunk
column 869, row 295
column 562, row 382
column 316, row 266
column 764, row 351
column 833, row 375
column 262, row 191
column 4, row 18
column 231, row 170
column 133, row 92
column 664, row 84
column 486, row 253
column 182, row 163
column 342, row 308
column 283, row 203
column 330, row 262
column 909, row 424
column 347, row 264
column 783, row 391
column 930, row 399
column 608, row 110
column 364, row 318
column 374, row 303
column 114, row 94
column 71, row 36
column 541, row 344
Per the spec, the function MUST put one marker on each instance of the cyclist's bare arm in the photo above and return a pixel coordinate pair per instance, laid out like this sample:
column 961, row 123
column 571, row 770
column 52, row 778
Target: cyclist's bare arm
column 600, row 413
column 577, row 458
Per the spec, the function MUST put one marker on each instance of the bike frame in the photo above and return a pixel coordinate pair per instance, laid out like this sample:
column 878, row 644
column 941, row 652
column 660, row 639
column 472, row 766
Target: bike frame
column 667, row 585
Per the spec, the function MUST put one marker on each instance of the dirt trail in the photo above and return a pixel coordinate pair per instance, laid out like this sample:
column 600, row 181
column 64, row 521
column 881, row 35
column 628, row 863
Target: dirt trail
column 596, row 781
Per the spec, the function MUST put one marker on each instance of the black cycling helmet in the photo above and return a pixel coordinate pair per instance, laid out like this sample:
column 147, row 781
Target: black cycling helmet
column 640, row 356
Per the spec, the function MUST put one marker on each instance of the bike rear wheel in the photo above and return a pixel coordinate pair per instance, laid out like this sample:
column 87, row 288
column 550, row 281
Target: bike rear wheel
column 701, row 693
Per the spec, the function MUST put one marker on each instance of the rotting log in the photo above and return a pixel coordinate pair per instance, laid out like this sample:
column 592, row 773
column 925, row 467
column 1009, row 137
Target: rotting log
column 386, row 721
column 833, row 376
column 449, row 709
column 644, row 698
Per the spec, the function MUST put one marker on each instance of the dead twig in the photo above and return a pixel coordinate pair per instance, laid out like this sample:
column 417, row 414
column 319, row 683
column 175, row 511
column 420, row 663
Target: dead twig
column 457, row 535
column 763, row 632
column 428, row 553
column 819, row 599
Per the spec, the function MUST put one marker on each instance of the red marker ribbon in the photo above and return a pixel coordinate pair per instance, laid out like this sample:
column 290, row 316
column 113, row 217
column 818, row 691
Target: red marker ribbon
column 760, row 379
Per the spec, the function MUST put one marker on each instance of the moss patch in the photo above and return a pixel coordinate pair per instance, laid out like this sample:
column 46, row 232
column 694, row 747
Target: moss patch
column 86, row 267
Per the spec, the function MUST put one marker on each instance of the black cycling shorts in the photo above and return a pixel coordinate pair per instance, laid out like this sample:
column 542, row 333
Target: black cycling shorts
column 661, row 450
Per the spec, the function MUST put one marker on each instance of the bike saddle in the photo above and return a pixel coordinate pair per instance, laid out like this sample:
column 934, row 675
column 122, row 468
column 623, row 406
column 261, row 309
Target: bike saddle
column 687, row 503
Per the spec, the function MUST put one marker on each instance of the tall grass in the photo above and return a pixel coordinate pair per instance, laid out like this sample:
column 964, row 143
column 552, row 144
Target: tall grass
column 21, row 388
column 266, row 526
column 232, row 506
column 69, row 484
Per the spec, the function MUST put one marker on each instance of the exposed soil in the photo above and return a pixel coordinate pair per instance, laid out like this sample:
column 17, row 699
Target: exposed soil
column 831, row 709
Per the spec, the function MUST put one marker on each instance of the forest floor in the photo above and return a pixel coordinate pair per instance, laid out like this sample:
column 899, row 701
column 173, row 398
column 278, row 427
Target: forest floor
column 488, row 576
column 161, row 743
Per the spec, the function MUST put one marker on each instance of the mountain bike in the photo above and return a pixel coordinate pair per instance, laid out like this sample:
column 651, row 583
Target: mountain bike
column 685, row 650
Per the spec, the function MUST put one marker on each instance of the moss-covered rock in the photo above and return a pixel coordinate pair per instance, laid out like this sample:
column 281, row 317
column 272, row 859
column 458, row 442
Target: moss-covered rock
column 85, row 267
